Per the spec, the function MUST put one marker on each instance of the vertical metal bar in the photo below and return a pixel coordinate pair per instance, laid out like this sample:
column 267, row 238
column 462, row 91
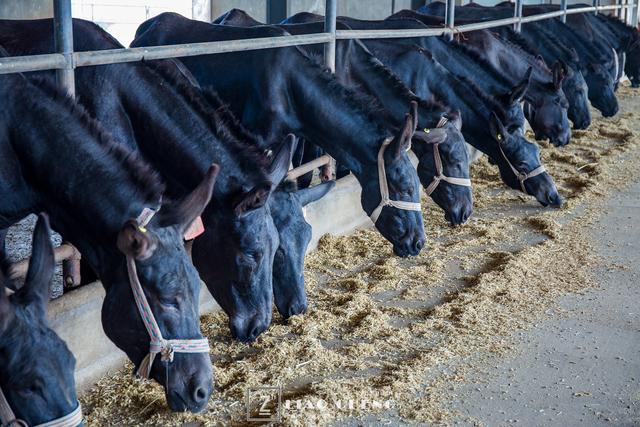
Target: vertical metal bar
column 563, row 6
column 416, row 4
column 517, row 13
column 276, row 11
column 63, row 39
column 619, row 11
column 450, row 16
column 634, row 13
column 596, row 3
column 330, row 27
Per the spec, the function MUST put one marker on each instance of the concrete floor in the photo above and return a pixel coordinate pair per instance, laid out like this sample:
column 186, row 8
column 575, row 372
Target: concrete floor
column 582, row 367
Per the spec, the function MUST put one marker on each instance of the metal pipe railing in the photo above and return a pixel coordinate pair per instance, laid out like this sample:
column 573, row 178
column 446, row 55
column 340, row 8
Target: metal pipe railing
column 19, row 64
column 450, row 16
column 63, row 42
column 330, row 28
column 563, row 6
column 517, row 13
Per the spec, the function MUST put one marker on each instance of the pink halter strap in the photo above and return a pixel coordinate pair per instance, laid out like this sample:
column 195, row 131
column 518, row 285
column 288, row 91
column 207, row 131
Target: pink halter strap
column 157, row 345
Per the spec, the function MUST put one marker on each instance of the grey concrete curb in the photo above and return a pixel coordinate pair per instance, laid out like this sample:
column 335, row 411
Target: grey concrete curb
column 76, row 316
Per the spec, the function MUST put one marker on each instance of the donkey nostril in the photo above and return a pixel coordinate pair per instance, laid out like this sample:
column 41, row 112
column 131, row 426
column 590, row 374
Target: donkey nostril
column 418, row 245
column 200, row 394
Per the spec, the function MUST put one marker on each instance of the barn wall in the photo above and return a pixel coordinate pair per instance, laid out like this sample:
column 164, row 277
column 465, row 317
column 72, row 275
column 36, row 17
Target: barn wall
column 26, row 9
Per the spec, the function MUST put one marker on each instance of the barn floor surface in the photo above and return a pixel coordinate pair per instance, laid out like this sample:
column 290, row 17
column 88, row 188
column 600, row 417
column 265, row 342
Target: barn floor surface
column 524, row 315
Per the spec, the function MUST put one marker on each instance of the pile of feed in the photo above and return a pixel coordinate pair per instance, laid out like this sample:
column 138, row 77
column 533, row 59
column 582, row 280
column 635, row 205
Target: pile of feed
column 406, row 332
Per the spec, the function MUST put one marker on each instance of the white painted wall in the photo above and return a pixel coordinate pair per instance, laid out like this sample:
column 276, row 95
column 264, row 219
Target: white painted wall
column 121, row 18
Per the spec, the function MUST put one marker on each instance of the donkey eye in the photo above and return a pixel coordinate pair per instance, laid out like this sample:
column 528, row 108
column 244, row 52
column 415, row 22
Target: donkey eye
column 169, row 302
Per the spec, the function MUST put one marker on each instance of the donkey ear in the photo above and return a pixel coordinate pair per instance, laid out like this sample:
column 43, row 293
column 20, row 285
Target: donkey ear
column 311, row 194
column 183, row 213
column 455, row 117
column 402, row 142
column 35, row 292
column 136, row 241
column 517, row 93
column 558, row 75
column 413, row 112
column 282, row 160
column 252, row 199
column 496, row 127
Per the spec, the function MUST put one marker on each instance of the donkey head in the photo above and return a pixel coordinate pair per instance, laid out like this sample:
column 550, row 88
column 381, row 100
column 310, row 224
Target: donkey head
column 577, row 93
column 172, row 287
column 455, row 200
column 235, row 253
column 295, row 233
column 524, row 156
column 547, row 111
column 36, row 367
column 601, row 89
column 404, row 228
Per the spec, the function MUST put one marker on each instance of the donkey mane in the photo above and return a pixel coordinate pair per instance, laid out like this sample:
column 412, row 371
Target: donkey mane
column 486, row 65
column 249, row 155
column 488, row 99
column 620, row 24
column 229, row 118
column 366, row 105
column 558, row 44
column 492, row 103
column 147, row 179
column 399, row 86
column 531, row 58
column 516, row 39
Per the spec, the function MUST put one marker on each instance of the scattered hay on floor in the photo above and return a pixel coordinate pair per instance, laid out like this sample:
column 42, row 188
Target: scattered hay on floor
column 407, row 331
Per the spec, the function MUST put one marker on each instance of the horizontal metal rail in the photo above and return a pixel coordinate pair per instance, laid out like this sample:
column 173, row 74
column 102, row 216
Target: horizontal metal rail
column 19, row 64
column 309, row 166
column 61, row 253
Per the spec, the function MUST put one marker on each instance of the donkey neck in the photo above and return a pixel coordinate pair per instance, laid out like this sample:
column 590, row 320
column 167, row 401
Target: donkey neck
column 106, row 185
column 182, row 137
column 334, row 117
column 475, row 108
column 379, row 82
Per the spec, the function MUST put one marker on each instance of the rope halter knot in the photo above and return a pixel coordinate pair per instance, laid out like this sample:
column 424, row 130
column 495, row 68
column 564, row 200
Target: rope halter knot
column 157, row 344
column 440, row 176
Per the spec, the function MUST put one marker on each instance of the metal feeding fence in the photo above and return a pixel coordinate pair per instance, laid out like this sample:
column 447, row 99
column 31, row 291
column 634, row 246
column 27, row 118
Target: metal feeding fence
column 65, row 60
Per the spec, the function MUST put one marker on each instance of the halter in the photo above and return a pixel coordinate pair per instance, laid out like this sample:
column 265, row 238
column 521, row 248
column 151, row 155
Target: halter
column 8, row 418
column 384, row 189
column 522, row 177
column 440, row 176
column 157, row 345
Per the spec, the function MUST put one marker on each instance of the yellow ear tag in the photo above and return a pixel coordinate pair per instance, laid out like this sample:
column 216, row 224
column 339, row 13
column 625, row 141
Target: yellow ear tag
column 142, row 229
column 427, row 130
column 499, row 137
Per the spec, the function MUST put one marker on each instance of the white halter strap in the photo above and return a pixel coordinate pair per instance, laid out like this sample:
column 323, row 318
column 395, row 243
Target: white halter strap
column 522, row 177
column 8, row 418
column 384, row 189
column 440, row 176
column 157, row 345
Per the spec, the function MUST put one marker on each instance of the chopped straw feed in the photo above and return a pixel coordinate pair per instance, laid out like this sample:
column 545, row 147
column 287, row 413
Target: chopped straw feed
column 396, row 336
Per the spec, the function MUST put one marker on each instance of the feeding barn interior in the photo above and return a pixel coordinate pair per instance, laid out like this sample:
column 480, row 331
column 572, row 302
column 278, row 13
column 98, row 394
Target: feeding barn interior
column 319, row 212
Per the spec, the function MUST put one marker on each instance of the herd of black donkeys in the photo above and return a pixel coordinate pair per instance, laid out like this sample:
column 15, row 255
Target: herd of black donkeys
column 149, row 149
